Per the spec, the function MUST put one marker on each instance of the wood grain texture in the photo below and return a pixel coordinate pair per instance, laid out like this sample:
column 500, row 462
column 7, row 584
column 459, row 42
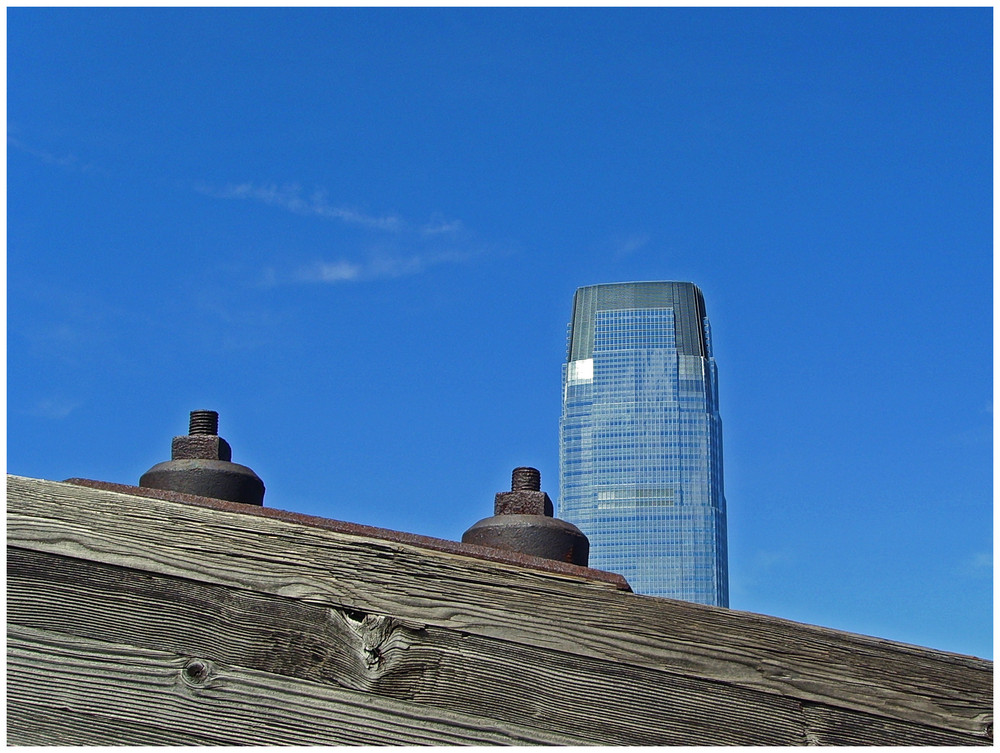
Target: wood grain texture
column 198, row 698
column 826, row 725
column 40, row 725
column 586, row 700
column 548, row 612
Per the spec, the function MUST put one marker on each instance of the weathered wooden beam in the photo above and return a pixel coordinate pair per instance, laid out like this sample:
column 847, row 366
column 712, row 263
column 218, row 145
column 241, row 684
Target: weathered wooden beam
column 60, row 725
column 584, row 700
column 555, row 615
column 502, row 556
column 827, row 725
column 162, row 690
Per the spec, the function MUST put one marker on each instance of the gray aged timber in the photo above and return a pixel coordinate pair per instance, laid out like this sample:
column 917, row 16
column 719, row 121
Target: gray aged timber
column 144, row 621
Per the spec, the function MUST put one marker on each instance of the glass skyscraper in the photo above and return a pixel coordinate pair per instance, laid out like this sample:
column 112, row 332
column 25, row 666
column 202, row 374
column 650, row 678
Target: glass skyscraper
column 640, row 454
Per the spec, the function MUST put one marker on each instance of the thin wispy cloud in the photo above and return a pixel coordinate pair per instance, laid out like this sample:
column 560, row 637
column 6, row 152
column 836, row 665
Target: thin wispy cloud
column 628, row 245
column 978, row 565
column 67, row 161
column 394, row 248
column 440, row 226
column 337, row 271
column 378, row 266
column 54, row 409
column 292, row 198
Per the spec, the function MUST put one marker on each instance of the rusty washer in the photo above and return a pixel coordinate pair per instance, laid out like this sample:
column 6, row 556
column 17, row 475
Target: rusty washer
column 201, row 464
column 523, row 522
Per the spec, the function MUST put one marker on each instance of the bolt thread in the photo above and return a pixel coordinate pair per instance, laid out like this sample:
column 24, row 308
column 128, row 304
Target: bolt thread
column 204, row 422
column 526, row 480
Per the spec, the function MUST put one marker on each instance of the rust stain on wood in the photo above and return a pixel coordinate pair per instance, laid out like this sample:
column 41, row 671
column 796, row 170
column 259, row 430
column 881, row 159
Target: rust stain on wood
column 356, row 529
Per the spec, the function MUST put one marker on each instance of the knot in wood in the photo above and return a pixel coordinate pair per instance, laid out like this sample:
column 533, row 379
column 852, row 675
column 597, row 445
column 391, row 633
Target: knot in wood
column 196, row 672
column 374, row 631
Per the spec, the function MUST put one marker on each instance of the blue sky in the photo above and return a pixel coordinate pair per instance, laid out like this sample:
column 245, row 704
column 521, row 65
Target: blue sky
column 357, row 233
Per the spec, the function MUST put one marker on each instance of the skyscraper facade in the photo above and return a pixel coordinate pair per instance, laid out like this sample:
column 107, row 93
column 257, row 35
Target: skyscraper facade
column 641, row 439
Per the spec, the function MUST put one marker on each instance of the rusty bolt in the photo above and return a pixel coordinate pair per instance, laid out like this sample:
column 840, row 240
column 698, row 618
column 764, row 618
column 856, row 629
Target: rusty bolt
column 200, row 463
column 525, row 496
column 523, row 522
column 525, row 479
column 202, row 441
column 203, row 422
